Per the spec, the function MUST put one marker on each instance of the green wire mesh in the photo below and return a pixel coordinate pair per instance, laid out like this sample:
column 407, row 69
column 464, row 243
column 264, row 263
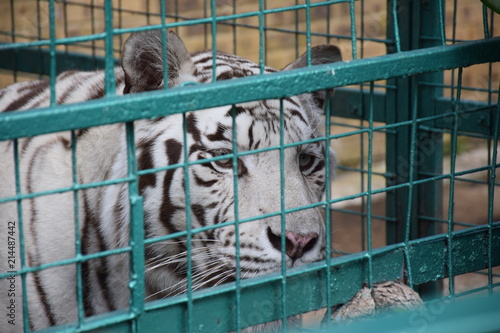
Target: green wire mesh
column 404, row 124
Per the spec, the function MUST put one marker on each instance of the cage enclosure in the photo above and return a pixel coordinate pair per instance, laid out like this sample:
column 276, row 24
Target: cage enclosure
column 414, row 120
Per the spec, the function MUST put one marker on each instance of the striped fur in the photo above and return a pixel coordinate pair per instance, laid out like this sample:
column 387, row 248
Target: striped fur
column 45, row 164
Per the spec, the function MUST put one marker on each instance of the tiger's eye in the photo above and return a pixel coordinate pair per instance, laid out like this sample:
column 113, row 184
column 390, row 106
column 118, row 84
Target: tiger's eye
column 305, row 161
column 223, row 163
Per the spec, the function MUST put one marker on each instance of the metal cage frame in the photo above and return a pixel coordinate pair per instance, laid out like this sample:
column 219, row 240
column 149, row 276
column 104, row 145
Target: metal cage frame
column 412, row 110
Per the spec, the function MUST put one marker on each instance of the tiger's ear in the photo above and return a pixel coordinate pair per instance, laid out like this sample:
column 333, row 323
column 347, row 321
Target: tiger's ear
column 321, row 54
column 142, row 61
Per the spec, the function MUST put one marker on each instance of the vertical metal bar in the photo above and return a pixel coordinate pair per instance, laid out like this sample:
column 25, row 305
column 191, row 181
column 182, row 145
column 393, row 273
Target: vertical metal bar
column 39, row 31
column 398, row 109
column 164, row 43
column 411, row 189
column 176, row 11
column 415, row 20
column 110, row 86
column 296, row 31
column 13, row 32
column 354, row 43
column 352, row 12
column 65, row 24
column 491, row 191
column 213, row 12
column 148, row 10
column 369, row 189
column 492, row 161
column 308, row 32
column 283, row 218
column 442, row 27
column 261, row 37
column 453, row 157
column 453, row 38
column 362, row 28
column 93, row 31
column 429, row 195
column 454, row 22
column 205, row 29
column 362, row 145
column 22, row 248
column 485, row 22
column 120, row 21
column 264, row 26
column 236, row 220
column 78, row 250
column 328, row 26
column 328, row 196
column 397, row 40
column 189, row 232
column 136, row 283
column 52, row 51
column 361, row 124
column 234, row 29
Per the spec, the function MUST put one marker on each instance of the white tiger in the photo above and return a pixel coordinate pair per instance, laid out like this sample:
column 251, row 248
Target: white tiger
column 46, row 164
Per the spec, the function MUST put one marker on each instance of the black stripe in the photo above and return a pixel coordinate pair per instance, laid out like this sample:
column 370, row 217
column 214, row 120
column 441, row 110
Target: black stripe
column 319, row 166
column 199, row 213
column 202, row 182
column 191, row 122
column 173, row 150
column 216, row 220
column 219, row 134
column 239, row 110
column 296, row 113
column 67, row 92
column 289, row 100
column 144, row 162
column 79, row 133
column 196, row 147
column 250, row 134
column 91, row 234
column 33, row 89
column 97, row 92
column 202, row 60
column 226, row 209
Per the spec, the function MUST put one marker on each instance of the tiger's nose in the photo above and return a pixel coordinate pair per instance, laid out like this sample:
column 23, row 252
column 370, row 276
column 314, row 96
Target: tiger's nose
column 296, row 244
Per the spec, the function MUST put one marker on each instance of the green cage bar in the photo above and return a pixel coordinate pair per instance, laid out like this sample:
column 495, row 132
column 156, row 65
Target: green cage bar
column 411, row 109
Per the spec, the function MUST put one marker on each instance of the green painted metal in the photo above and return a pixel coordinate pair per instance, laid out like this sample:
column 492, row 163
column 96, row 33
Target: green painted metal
column 261, row 297
column 429, row 195
column 413, row 112
column 154, row 104
column 136, row 279
column 22, row 245
column 478, row 315
column 78, row 239
column 33, row 60
column 475, row 117
column 237, row 218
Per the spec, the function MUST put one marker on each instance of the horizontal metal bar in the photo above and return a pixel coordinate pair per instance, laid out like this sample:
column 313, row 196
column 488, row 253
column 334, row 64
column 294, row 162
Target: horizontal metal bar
column 161, row 103
column 355, row 103
column 37, row 60
column 475, row 116
column 306, row 286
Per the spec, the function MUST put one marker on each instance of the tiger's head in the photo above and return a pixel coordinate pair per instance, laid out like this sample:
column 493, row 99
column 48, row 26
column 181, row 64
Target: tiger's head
column 269, row 179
